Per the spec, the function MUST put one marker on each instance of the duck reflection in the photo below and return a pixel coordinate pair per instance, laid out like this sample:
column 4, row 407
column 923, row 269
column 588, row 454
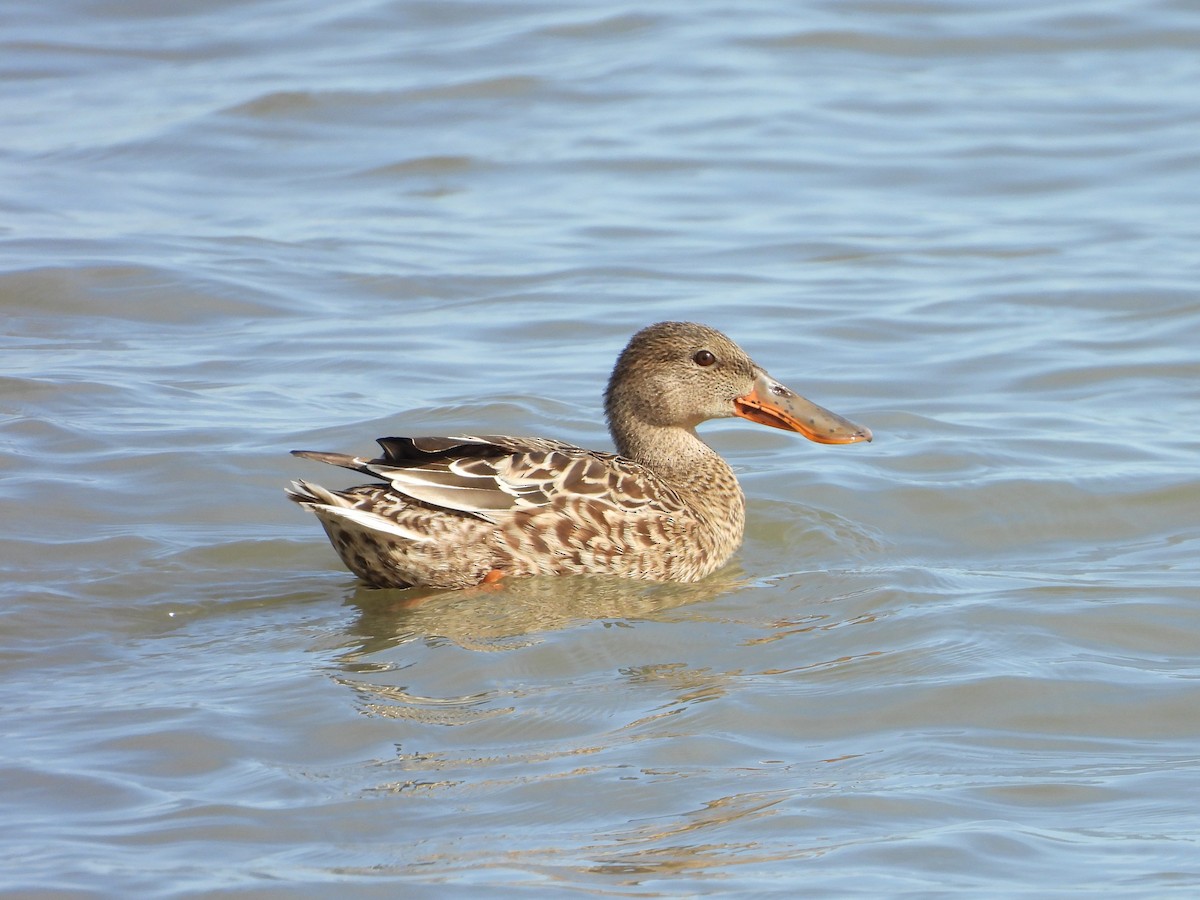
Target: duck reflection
column 511, row 615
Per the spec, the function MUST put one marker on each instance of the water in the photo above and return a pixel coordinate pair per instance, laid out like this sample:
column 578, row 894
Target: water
column 960, row 659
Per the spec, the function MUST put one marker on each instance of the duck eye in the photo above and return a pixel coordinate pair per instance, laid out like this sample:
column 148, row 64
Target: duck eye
column 704, row 358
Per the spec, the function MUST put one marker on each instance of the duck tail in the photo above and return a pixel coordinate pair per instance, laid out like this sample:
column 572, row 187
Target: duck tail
column 345, row 460
column 310, row 495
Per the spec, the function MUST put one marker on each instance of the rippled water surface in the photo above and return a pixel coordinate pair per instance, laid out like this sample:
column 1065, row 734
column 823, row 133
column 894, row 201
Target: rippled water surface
column 963, row 658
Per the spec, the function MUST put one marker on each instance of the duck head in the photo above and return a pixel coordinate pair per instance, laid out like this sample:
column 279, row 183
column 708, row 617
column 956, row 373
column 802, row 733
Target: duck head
column 679, row 374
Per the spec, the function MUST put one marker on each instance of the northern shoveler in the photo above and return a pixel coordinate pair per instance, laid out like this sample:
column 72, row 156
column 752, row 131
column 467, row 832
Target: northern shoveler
column 450, row 512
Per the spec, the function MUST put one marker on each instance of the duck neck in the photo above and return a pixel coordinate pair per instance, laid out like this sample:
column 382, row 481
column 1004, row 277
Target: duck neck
column 702, row 479
column 672, row 452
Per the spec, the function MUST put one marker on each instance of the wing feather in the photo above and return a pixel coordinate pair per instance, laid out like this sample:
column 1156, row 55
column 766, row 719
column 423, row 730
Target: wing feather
column 496, row 476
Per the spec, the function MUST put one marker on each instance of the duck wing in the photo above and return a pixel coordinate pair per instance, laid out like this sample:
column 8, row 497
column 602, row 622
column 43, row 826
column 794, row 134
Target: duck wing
column 495, row 476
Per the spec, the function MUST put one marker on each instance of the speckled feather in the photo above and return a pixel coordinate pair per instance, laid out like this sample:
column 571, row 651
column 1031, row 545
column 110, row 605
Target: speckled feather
column 452, row 511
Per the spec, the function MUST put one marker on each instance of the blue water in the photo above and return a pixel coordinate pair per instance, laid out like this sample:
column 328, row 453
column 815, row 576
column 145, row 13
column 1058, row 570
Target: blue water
column 961, row 659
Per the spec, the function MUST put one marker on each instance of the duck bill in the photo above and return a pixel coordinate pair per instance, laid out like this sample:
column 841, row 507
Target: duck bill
column 770, row 403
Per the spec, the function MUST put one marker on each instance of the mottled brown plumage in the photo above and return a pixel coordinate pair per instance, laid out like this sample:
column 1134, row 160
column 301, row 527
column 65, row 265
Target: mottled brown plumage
column 454, row 511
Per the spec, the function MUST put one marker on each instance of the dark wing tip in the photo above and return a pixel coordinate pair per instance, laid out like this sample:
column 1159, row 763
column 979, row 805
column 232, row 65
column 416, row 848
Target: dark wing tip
column 334, row 459
column 403, row 451
column 399, row 449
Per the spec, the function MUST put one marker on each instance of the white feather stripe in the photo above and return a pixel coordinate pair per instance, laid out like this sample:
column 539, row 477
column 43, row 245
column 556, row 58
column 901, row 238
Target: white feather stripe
column 402, row 478
column 320, row 494
column 480, row 501
column 471, row 495
column 374, row 522
column 433, row 477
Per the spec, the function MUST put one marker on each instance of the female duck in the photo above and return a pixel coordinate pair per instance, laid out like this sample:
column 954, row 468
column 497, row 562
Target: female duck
column 451, row 512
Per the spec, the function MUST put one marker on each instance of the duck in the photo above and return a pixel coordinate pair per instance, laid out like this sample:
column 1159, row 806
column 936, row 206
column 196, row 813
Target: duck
column 455, row 512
